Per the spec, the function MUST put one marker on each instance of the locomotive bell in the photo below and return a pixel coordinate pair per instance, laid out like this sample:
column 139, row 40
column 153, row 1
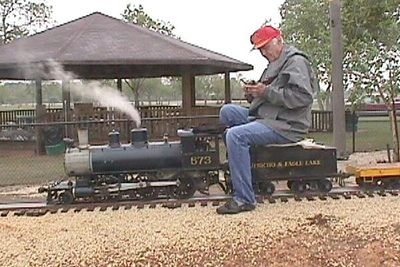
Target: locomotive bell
column 139, row 137
column 113, row 139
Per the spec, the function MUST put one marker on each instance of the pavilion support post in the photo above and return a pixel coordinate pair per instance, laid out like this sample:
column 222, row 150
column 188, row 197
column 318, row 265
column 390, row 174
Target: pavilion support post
column 127, row 123
column 40, row 114
column 188, row 93
column 66, row 98
column 119, row 85
column 119, row 88
column 228, row 98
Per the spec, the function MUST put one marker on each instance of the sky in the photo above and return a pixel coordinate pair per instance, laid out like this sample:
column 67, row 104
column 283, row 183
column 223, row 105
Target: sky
column 222, row 26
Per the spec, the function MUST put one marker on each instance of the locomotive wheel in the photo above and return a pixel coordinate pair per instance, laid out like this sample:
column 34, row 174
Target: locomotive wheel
column 185, row 189
column 325, row 185
column 51, row 196
column 266, row 188
column 298, row 187
column 66, row 197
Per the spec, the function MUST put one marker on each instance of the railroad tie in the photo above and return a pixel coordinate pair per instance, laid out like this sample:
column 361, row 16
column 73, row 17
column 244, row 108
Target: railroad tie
column 322, row 197
column 360, row 195
column 127, row 206
column 36, row 213
column 334, row 196
column 369, row 193
column 64, row 210
column 284, row 199
column 310, row 198
column 90, row 208
column 297, row 198
column 103, row 208
column 346, row 196
column 77, row 209
column 382, row 193
column 203, row 203
column 54, row 210
column 19, row 212
column 152, row 206
column 4, row 213
column 215, row 203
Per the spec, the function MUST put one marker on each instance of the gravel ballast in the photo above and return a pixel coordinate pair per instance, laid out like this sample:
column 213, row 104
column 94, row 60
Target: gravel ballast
column 356, row 232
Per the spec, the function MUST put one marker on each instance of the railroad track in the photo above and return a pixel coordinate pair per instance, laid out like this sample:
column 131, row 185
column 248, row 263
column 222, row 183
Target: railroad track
column 36, row 209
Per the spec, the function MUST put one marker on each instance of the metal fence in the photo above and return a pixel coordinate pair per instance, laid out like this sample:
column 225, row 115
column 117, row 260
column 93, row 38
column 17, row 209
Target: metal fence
column 21, row 161
column 21, row 164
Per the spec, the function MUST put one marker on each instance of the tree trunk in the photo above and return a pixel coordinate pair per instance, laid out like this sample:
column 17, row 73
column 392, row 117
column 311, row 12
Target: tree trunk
column 134, row 85
column 4, row 41
column 328, row 98
column 395, row 132
column 136, row 96
column 319, row 100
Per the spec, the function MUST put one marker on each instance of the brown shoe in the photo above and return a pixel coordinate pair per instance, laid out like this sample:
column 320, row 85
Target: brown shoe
column 232, row 207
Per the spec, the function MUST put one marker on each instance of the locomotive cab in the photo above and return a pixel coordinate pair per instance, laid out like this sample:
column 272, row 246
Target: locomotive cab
column 199, row 151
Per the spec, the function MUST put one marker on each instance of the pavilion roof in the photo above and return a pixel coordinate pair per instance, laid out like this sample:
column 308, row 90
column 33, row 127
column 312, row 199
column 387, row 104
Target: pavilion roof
column 98, row 46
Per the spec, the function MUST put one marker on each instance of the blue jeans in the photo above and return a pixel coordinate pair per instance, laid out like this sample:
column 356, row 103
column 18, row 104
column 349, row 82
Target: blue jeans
column 240, row 135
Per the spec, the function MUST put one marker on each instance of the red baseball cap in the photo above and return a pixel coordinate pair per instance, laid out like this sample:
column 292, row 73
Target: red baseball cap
column 263, row 36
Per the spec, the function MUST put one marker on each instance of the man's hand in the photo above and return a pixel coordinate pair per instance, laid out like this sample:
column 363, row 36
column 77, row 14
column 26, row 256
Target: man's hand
column 256, row 90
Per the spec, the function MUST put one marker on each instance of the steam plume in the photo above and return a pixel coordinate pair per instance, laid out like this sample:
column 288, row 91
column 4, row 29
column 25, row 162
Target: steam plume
column 92, row 91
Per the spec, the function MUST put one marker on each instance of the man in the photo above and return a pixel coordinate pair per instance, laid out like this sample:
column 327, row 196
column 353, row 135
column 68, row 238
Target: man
column 280, row 108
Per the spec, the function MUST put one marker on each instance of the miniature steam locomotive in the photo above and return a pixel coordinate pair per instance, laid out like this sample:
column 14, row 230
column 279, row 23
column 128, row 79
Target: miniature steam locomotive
column 177, row 169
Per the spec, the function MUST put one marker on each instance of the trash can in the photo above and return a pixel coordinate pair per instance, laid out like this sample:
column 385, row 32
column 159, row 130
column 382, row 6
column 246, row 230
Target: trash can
column 57, row 149
column 350, row 119
column 54, row 144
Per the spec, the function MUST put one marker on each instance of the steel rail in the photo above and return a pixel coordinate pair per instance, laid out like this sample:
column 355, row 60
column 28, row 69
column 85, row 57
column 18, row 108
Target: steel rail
column 283, row 196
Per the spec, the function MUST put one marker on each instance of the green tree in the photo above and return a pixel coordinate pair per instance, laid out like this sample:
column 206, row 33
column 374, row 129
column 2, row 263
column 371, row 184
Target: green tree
column 22, row 17
column 137, row 15
column 209, row 87
column 371, row 32
column 236, row 89
column 305, row 23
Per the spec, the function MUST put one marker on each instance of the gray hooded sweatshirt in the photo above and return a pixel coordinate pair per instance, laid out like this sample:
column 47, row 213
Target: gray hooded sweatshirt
column 286, row 104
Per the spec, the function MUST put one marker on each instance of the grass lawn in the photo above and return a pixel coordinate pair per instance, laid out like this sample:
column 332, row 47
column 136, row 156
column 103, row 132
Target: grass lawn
column 372, row 134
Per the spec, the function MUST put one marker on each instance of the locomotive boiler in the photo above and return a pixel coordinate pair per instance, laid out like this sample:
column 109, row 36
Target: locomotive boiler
column 177, row 169
column 140, row 169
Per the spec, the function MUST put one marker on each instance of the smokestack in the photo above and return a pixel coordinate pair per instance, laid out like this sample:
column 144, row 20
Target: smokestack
column 113, row 139
column 139, row 137
column 83, row 138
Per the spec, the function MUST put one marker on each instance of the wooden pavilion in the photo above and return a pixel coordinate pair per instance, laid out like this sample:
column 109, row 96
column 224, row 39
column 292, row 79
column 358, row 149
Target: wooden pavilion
column 98, row 46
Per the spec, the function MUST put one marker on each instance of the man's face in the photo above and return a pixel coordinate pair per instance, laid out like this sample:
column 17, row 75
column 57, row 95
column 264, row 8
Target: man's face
column 271, row 50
